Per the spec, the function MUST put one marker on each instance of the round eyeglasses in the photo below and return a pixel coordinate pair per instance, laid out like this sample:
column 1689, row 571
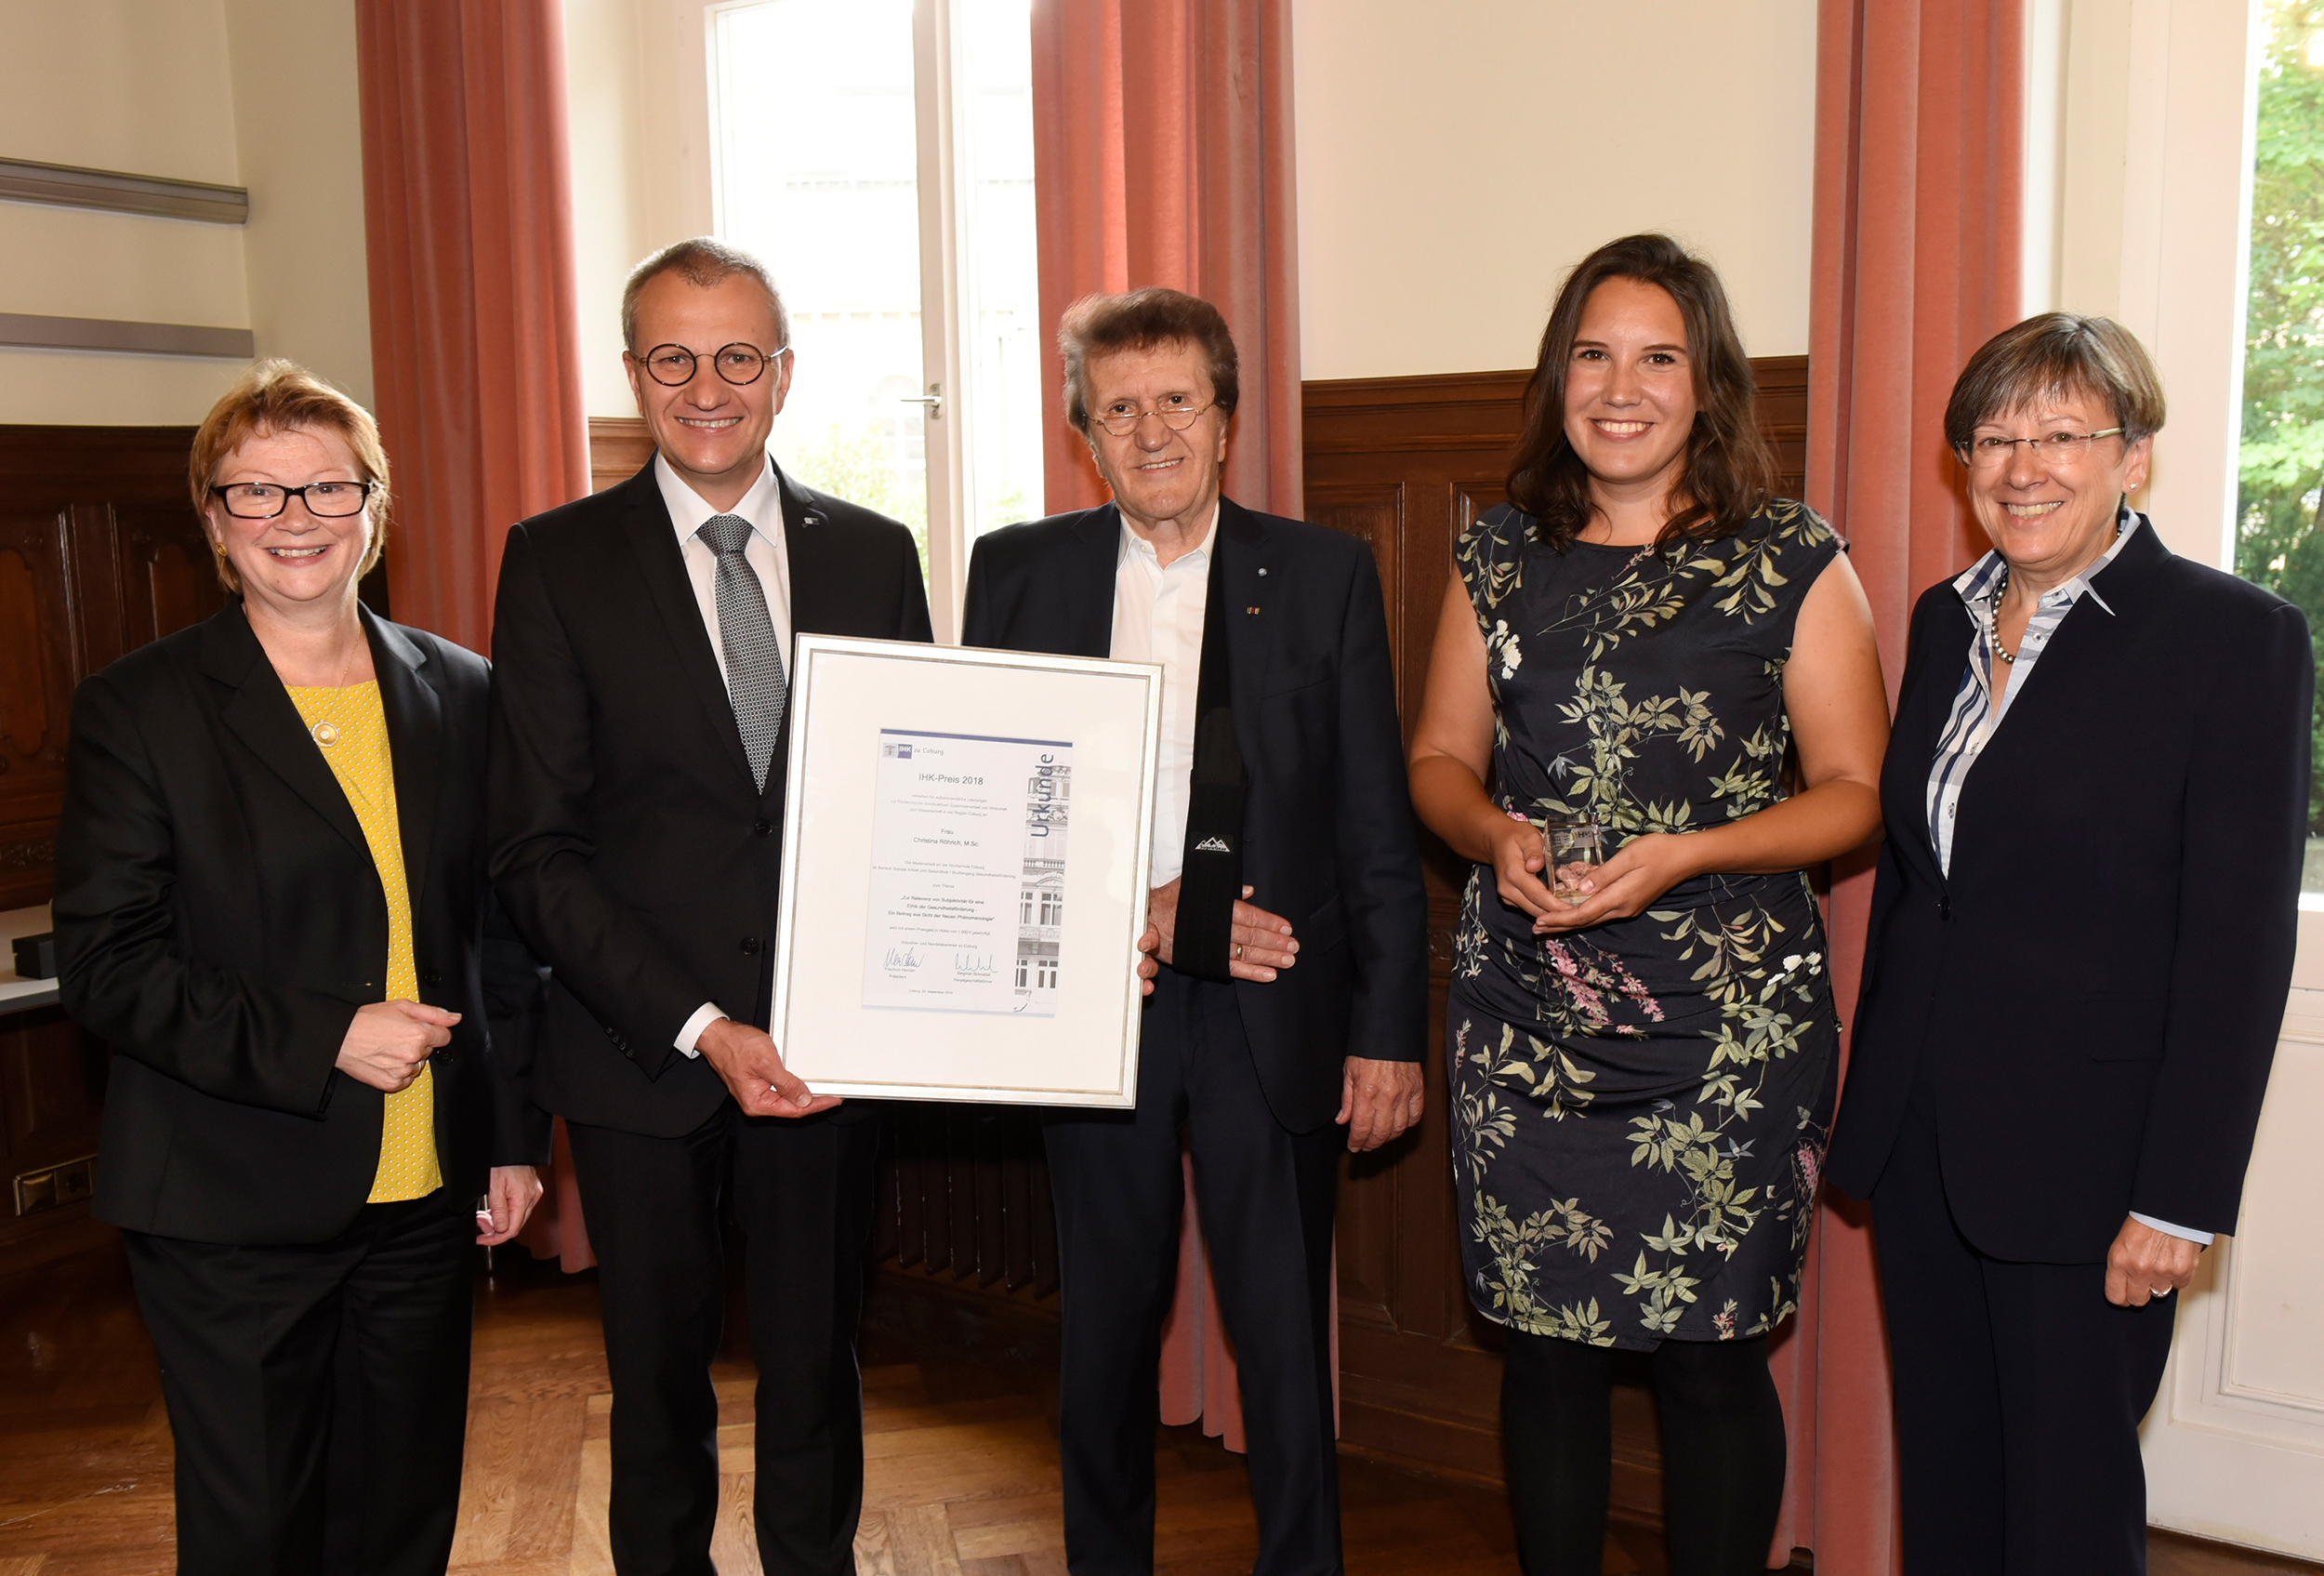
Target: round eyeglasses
column 1122, row 422
column 673, row 365
column 2051, row 448
column 264, row 500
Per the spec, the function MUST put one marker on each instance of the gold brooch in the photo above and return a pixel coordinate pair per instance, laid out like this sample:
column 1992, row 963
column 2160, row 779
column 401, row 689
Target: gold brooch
column 327, row 733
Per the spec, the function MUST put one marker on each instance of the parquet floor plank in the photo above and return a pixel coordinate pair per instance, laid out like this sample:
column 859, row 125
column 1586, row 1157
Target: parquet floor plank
column 961, row 1475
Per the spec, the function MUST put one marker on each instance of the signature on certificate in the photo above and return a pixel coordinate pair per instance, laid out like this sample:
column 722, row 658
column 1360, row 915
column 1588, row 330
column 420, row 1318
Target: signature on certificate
column 904, row 958
column 973, row 965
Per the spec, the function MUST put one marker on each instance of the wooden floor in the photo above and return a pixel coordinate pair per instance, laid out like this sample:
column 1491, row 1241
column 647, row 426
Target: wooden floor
column 960, row 1448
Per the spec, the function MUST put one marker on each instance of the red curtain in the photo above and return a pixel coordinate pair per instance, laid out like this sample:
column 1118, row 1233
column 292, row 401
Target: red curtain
column 1162, row 155
column 475, row 331
column 1919, row 147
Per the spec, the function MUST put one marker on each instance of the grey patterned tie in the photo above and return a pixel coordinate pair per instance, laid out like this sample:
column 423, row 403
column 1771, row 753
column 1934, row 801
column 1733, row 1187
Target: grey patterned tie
column 755, row 683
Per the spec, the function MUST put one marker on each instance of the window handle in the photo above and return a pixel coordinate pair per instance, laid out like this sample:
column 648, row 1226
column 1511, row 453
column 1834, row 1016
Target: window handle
column 934, row 400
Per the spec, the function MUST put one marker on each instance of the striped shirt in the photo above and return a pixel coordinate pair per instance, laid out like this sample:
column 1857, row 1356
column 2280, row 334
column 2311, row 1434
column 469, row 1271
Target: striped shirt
column 1975, row 715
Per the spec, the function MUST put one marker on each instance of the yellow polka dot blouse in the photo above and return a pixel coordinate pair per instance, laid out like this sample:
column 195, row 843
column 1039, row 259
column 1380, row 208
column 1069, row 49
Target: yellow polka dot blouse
column 351, row 728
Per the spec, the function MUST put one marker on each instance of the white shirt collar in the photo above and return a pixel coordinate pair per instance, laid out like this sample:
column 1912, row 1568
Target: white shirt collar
column 1976, row 582
column 689, row 511
column 1134, row 543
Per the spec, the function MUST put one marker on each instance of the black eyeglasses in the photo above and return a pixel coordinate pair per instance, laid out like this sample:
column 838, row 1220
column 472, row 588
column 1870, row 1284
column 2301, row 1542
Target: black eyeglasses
column 264, row 500
column 673, row 365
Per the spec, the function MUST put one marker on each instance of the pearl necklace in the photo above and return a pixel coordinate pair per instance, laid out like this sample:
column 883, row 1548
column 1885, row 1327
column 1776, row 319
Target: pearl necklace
column 1992, row 612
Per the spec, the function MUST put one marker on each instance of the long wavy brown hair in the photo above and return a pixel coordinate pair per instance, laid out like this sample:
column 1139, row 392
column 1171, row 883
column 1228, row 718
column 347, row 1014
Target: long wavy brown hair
column 1728, row 474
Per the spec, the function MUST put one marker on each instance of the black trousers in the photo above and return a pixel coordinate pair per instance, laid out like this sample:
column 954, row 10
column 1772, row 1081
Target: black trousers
column 318, row 1392
column 2019, row 1390
column 802, row 1191
column 1265, row 1196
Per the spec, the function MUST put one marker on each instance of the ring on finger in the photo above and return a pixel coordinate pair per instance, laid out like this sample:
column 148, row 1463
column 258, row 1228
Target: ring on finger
column 1238, row 951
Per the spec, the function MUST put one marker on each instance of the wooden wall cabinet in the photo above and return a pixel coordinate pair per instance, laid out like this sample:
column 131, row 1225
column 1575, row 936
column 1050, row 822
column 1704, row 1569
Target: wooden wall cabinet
column 100, row 551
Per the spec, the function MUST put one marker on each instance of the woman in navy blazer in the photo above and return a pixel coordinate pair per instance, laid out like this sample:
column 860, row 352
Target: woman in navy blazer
column 2096, row 796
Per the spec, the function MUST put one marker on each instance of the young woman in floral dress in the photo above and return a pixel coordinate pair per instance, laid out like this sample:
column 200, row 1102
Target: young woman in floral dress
column 1641, row 1080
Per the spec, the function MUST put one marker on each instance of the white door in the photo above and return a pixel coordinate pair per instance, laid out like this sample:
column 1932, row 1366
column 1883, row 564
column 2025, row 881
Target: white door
column 2235, row 1445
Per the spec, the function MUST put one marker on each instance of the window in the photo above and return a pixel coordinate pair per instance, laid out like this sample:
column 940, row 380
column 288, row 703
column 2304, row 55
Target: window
column 1052, row 908
column 2279, row 516
column 1024, row 906
column 879, row 156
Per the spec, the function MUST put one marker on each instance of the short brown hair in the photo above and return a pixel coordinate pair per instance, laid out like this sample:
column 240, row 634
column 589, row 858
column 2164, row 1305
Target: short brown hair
column 280, row 396
column 1139, row 320
column 703, row 261
column 1728, row 474
column 2055, row 353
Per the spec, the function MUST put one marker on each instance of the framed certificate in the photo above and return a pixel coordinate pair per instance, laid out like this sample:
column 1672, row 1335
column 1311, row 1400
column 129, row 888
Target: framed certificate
column 965, row 854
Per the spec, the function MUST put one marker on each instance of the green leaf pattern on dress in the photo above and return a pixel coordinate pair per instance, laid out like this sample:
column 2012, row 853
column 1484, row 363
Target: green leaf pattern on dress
column 1767, row 983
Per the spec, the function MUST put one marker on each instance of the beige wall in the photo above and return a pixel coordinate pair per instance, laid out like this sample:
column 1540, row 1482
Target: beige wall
column 1455, row 160
column 298, row 132
column 188, row 89
column 636, row 73
column 602, row 77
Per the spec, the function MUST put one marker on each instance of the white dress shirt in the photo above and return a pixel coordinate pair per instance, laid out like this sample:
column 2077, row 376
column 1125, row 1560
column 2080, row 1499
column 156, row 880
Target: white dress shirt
column 769, row 558
column 1157, row 617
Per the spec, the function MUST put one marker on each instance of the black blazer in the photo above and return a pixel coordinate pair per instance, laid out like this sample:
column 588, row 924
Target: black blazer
column 629, row 844
column 1327, row 819
column 2103, row 976
column 220, row 919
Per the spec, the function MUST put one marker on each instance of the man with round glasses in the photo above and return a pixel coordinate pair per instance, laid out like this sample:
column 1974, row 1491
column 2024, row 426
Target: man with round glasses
column 642, row 649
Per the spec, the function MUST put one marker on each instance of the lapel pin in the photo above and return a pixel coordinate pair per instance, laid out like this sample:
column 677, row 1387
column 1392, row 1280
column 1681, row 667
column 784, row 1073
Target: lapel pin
column 1250, row 610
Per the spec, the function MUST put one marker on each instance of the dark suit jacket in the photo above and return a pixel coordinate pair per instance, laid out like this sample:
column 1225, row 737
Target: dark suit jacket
column 220, row 919
column 1327, row 835
column 629, row 844
column 2103, row 976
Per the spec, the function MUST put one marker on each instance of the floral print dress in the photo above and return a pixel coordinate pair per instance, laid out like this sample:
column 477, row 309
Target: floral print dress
column 1640, row 1109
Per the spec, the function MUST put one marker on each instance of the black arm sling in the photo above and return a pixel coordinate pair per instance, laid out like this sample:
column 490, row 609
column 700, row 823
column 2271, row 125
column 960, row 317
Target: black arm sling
column 1212, row 878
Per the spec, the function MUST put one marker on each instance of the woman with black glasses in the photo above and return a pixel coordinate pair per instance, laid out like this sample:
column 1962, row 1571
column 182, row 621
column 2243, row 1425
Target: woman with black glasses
column 270, row 904
column 1642, row 1040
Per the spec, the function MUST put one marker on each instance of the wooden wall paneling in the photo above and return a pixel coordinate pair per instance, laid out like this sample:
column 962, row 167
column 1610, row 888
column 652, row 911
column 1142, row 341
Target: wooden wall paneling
column 40, row 662
column 1389, row 459
column 619, row 447
column 1406, row 464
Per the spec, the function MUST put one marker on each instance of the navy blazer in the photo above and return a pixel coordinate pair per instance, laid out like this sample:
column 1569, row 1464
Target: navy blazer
column 629, row 844
column 219, row 920
column 1327, row 835
column 2101, row 977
